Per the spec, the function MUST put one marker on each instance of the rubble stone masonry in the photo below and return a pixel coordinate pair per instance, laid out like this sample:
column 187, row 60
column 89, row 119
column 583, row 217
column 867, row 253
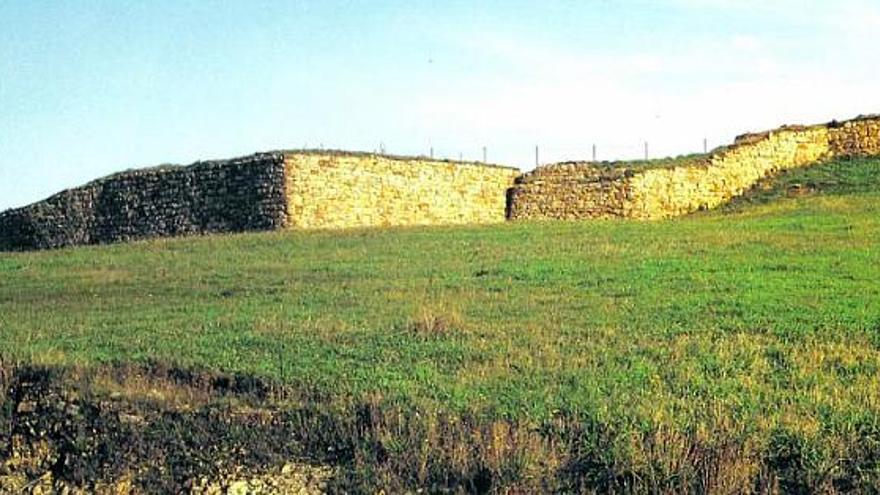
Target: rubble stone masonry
column 332, row 190
column 342, row 190
column 267, row 191
column 218, row 196
column 590, row 190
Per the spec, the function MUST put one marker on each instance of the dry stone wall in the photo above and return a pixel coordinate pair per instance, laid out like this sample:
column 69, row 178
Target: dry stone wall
column 328, row 190
column 568, row 191
column 342, row 190
column 263, row 192
column 589, row 190
column 859, row 137
column 218, row 196
column 669, row 192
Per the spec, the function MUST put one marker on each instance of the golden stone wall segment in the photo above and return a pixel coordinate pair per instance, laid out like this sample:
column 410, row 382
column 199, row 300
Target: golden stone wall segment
column 587, row 190
column 338, row 190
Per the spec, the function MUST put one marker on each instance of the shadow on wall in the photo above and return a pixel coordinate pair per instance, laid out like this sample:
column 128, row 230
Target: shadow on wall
column 224, row 196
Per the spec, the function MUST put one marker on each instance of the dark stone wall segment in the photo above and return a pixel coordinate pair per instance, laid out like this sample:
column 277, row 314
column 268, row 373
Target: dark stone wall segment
column 235, row 195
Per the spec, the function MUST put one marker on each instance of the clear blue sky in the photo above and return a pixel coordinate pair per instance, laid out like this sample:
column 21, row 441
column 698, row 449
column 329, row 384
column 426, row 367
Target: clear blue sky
column 91, row 87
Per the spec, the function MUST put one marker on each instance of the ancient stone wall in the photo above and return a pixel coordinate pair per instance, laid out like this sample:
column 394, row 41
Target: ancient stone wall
column 217, row 196
column 668, row 192
column 859, row 137
column 263, row 192
column 588, row 190
column 568, row 191
column 341, row 190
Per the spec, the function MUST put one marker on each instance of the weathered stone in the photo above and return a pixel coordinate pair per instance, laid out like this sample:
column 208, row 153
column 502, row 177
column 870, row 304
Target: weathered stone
column 589, row 190
column 262, row 192
column 354, row 190
column 162, row 201
column 329, row 190
column 26, row 407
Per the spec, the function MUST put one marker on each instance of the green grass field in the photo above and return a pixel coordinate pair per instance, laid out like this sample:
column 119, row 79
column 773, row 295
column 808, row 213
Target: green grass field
column 750, row 335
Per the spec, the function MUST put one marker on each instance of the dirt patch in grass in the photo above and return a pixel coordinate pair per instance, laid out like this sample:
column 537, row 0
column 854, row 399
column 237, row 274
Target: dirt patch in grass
column 149, row 429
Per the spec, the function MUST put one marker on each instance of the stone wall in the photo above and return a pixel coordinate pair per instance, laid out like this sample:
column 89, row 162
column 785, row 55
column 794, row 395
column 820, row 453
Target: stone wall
column 341, row 190
column 217, row 196
column 589, row 190
column 568, row 191
column 311, row 190
column 668, row 192
column 263, row 192
column 859, row 137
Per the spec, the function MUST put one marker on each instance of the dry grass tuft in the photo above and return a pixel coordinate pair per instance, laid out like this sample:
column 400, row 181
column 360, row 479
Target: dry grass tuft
column 431, row 322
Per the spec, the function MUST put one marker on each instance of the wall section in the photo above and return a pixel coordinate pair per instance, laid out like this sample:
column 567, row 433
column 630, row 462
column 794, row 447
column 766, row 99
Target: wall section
column 217, row 196
column 342, row 190
column 569, row 191
column 858, row 137
column 589, row 190
column 669, row 192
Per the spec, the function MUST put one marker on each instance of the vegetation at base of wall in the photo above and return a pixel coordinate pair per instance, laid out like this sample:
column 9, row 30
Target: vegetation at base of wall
column 727, row 352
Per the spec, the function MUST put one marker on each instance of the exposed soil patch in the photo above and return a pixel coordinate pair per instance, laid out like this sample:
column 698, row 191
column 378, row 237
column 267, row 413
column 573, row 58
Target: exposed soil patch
column 148, row 429
column 154, row 429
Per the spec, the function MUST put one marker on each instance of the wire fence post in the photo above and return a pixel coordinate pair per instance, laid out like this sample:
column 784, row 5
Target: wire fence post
column 646, row 150
column 594, row 152
column 432, row 152
column 484, row 154
column 705, row 145
column 460, row 157
column 536, row 156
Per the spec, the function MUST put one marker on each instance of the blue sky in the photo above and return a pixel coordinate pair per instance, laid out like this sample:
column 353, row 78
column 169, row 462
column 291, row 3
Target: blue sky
column 92, row 87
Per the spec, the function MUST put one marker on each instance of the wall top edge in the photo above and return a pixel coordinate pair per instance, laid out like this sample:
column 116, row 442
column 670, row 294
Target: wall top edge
column 630, row 167
column 834, row 124
column 402, row 158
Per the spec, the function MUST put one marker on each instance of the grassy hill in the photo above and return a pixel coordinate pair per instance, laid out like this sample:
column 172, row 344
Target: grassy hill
column 731, row 350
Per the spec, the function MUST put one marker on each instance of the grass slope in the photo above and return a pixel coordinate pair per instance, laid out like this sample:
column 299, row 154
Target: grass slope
column 756, row 326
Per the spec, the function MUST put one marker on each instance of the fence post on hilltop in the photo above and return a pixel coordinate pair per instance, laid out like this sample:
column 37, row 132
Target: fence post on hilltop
column 432, row 152
column 484, row 154
column 536, row 156
column 705, row 145
column 646, row 150
column 594, row 152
